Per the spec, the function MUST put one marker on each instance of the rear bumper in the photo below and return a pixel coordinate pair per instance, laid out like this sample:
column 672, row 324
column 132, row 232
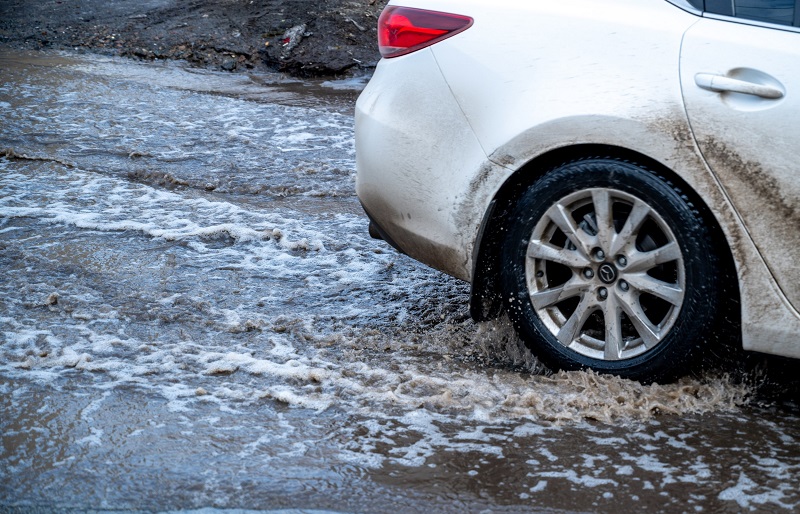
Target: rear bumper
column 376, row 232
column 407, row 122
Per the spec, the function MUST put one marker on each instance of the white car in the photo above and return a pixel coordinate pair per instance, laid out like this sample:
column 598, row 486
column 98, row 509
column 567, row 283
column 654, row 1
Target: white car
column 619, row 176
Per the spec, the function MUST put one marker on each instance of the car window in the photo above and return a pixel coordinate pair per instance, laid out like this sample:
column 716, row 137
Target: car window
column 783, row 12
column 689, row 5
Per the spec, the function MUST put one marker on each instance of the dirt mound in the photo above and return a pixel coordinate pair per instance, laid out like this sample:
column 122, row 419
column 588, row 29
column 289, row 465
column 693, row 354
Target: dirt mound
column 300, row 37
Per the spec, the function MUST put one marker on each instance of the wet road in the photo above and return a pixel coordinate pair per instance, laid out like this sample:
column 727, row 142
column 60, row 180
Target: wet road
column 194, row 317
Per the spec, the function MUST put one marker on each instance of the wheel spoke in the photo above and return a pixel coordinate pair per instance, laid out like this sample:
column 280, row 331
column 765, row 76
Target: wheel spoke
column 658, row 288
column 643, row 261
column 627, row 236
column 560, row 216
column 611, row 317
column 553, row 295
column 603, row 215
column 647, row 331
column 571, row 329
column 548, row 252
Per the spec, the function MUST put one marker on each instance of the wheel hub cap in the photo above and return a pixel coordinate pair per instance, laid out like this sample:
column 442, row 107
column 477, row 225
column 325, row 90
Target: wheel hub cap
column 607, row 273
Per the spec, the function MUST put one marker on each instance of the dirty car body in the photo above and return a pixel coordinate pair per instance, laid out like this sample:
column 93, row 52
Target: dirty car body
column 617, row 176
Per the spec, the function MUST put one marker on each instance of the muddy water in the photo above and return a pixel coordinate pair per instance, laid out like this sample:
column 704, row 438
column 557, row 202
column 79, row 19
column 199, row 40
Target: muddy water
column 193, row 317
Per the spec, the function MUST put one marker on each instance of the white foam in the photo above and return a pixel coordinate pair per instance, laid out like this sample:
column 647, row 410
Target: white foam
column 575, row 478
column 751, row 496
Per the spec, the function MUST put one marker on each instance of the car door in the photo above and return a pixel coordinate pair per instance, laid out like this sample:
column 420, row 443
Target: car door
column 741, row 87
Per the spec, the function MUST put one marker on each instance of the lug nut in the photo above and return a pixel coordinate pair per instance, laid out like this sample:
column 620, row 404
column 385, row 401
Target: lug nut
column 622, row 261
column 588, row 273
column 599, row 254
column 602, row 293
column 623, row 285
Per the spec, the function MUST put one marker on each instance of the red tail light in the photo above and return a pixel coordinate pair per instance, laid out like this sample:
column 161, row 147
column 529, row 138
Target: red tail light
column 402, row 30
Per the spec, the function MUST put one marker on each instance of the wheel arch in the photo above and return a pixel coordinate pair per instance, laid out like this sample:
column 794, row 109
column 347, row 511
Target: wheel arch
column 485, row 301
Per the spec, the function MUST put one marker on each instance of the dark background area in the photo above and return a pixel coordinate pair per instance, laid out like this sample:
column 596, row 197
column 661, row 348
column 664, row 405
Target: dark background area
column 303, row 38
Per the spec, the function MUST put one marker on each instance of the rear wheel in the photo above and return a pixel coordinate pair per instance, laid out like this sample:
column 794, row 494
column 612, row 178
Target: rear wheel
column 608, row 266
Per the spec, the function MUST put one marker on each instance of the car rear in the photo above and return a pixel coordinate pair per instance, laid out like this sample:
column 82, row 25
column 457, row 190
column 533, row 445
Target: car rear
column 416, row 152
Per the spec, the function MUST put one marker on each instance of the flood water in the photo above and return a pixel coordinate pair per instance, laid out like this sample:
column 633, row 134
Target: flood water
column 193, row 316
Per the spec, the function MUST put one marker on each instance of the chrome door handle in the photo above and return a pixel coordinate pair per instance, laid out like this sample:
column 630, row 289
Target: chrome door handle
column 723, row 84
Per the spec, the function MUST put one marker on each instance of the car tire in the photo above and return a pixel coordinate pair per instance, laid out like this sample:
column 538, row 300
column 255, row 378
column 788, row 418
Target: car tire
column 609, row 266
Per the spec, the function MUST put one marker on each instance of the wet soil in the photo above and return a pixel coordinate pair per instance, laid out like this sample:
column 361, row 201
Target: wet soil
column 302, row 38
